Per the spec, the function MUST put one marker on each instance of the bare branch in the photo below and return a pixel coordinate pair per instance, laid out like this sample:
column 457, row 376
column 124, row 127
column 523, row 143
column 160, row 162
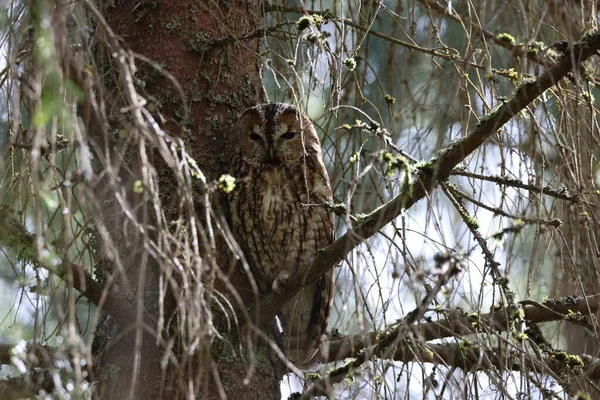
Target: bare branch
column 517, row 49
column 557, row 309
column 14, row 236
column 388, row 341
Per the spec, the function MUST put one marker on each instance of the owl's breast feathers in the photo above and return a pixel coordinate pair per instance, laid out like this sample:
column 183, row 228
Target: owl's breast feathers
column 281, row 218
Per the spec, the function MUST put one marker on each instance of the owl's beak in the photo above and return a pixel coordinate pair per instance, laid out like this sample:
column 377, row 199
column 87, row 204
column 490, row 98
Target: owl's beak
column 271, row 152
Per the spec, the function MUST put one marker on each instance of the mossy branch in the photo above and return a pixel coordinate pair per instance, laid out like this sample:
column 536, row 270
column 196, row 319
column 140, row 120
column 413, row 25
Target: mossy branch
column 409, row 344
column 471, row 356
column 429, row 174
column 557, row 309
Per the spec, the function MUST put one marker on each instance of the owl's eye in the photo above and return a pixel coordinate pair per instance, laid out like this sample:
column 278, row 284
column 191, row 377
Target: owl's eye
column 254, row 136
column 288, row 135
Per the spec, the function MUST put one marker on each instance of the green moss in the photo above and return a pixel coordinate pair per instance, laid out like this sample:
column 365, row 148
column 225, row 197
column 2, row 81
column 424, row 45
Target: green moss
column 318, row 38
column 583, row 396
column 571, row 360
column 389, row 99
column 473, row 318
column 318, row 20
column 588, row 97
column 515, row 77
column 226, row 183
column 520, row 337
column 525, row 83
column 562, row 301
column 138, row 186
column 303, row 23
column 576, row 317
column 488, row 117
column 424, row 165
column 173, row 26
column 518, row 314
column 313, row 376
column 465, row 344
column 199, row 42
column 506, row 38
column 472, row 223
column 350, row 62
column 532, row 51
column 502, row 281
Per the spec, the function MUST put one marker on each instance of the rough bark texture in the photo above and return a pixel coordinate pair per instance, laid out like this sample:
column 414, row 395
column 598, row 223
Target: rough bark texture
column 220, row 79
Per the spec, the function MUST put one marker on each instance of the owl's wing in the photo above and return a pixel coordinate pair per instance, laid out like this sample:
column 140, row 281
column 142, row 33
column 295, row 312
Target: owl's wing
column 305, row 317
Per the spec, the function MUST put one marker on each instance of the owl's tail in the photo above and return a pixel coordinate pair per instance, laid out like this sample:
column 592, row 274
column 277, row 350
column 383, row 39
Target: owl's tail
column 304, row 320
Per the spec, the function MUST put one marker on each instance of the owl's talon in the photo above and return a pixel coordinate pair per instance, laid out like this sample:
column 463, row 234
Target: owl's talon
column 280, row 283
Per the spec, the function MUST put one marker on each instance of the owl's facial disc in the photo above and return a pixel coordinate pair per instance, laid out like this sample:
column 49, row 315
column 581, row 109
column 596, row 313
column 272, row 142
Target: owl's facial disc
column 267, row 147
column 282, row 145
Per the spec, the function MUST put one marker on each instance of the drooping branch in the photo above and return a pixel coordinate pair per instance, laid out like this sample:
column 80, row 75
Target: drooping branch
column 519, row 50
column 557, row 309
column 15, row 237
column 388, row 341
column 428, row 174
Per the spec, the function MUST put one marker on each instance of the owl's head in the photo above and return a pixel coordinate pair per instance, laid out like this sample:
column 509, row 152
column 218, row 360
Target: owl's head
column 277, row 133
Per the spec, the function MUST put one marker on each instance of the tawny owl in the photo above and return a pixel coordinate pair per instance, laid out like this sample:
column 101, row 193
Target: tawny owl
column 279, row 218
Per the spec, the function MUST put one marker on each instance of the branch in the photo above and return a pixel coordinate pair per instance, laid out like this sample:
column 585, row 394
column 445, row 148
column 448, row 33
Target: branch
column 15, row 237
column 441, row 53
column 517, row 49
column 471, row 357
column 26, row 386
column 397, row 344
column 437, row 169
column 512, row 182
column 557, row 309
column 388, row 341
column 40, row 355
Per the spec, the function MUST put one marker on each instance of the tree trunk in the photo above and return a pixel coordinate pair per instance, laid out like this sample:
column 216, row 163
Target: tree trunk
column 203, row 46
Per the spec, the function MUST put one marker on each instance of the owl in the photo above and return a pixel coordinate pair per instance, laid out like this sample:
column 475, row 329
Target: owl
column 279, row 219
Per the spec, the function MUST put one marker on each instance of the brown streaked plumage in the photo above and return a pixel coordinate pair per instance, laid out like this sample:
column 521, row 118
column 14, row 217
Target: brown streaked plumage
column 278, row 216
